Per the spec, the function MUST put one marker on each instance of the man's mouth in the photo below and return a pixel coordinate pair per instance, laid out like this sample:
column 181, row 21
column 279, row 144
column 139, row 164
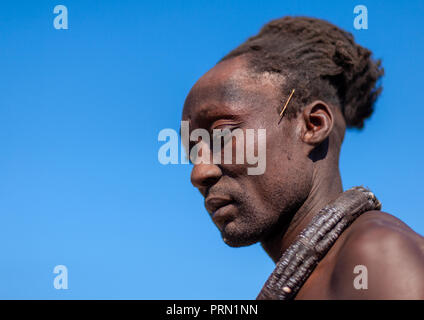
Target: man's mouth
column 213, row 203
column 220, row 209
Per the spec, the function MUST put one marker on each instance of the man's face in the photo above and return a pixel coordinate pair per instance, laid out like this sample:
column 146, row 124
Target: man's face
column 247, row 208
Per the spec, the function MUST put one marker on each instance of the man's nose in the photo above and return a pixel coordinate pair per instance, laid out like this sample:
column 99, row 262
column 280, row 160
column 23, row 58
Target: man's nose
column 205, row 175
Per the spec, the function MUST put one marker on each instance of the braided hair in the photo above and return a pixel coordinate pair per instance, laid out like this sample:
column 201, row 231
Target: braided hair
column 320, row 61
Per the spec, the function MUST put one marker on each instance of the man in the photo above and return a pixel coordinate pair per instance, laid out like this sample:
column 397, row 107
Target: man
column 326, row 82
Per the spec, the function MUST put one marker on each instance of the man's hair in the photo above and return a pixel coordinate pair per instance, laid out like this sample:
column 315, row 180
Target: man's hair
column 319, row 61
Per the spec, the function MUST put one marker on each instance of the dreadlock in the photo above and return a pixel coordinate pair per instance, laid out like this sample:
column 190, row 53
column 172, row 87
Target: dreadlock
column 320, row 61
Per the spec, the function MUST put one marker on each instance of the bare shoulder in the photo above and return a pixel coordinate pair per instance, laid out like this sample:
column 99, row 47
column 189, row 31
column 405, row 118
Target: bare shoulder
column 382, row 252
column 372, row 225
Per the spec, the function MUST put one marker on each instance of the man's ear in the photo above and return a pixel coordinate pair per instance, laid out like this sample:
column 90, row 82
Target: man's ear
column 318, row 119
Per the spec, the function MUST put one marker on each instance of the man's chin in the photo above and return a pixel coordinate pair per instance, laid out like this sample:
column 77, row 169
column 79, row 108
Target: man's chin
column 235, row 237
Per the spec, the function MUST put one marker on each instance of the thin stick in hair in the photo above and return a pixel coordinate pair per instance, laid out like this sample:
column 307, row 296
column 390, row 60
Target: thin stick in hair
column 285, row 106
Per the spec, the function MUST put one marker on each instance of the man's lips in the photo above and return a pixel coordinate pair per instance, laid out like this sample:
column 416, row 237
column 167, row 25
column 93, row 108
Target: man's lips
column 212, row 204
column 220, row 209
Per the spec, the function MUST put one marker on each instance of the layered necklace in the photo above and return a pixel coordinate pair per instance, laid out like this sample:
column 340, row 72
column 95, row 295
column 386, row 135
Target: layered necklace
column 311, row 245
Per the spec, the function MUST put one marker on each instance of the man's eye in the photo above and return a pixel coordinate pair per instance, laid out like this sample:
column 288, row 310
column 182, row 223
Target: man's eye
column 223, row 129
column 222, row 132
column 221, row 136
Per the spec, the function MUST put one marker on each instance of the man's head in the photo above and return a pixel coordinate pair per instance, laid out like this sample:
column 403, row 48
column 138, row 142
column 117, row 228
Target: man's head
column 334, row 81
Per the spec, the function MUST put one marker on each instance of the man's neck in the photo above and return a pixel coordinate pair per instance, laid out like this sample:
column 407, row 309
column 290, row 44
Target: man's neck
column 324, row 190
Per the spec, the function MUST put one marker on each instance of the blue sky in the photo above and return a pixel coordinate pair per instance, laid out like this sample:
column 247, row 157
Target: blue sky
column 80, row 112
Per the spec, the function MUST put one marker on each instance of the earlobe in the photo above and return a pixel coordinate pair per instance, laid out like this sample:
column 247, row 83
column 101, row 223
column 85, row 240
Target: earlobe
column 318, row 122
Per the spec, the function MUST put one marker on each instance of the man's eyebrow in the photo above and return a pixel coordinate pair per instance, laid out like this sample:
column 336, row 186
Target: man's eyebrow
column 229, row 92
column 211, row 112
column 228, row 96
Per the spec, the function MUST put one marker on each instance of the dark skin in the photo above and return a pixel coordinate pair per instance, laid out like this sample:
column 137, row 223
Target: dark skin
column 301, row 177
